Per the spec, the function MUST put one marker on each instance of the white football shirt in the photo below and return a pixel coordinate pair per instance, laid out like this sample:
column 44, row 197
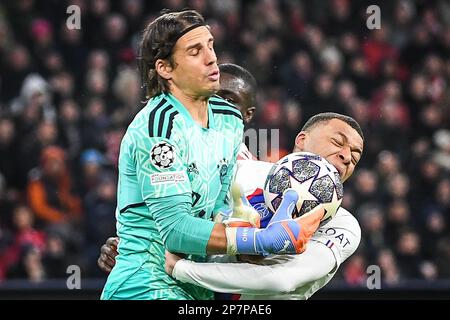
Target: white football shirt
column 277, row 276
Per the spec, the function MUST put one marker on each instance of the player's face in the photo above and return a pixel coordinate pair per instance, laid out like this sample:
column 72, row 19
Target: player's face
column 235, row 90
column 195, row 70
column 336, row 141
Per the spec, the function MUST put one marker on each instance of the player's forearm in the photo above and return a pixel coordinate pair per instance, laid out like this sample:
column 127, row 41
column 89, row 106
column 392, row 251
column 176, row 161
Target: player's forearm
column 190, row 233
column 225, row 277
column 217, row 241
column 183, row 233
column 179, row 230
column 283, row 276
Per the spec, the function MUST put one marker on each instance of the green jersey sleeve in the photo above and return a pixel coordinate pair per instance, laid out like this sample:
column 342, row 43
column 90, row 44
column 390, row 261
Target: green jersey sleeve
column 166, row 190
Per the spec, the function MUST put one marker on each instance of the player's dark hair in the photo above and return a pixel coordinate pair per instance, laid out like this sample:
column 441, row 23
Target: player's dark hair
column 327, row 116
column 158, row 40
column 242, row 73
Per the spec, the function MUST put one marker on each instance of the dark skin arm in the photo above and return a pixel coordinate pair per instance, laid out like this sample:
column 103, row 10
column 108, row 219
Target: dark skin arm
column 108, row 253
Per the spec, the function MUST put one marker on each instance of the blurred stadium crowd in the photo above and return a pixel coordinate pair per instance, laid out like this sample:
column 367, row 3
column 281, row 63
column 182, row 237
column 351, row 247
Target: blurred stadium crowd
column 67, row 96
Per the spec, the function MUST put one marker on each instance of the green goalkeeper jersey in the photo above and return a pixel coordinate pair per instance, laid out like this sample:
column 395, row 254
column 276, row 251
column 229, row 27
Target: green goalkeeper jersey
column 173, row 176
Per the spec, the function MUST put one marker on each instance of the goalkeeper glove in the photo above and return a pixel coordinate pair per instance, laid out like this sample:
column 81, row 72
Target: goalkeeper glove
column 243, row 214
column 281, row 236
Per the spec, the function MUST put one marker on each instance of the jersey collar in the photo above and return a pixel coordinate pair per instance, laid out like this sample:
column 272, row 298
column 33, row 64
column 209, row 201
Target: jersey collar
column 182, row 109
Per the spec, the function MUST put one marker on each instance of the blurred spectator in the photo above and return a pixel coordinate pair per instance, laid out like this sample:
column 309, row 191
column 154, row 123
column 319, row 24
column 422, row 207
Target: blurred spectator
column 23, row 220
column 297, row 76
column 69, row 128
column 377, row 49
column 63, row 86
column 372, row 224
column 22, row 257
column 6, row 206
column 94, row 124
column 366, row 187
column 388, row 164
column 398, row 218
column 408, row 250
column 398, row 187
column 322, row 98
column 55, row 260
column 331, row 60
column 45, row 134
column 443, row 258
column 404, row 13
column 387, row 263
column 359, row 73
column 339, row 18
column 100, row 206
column 92, row 162
column 34, row 100
column 17, row 67
column 29, row 266
column 5, row 241
column 9, row 152
column 355, row 270
column 74, row 51
column 127, row 91
column 50, row 189
column 434, row 228
column 113, row 137
column 42, row 38
column 294, row 116
column 442, row 197
column 442, row 155
column 133, row 11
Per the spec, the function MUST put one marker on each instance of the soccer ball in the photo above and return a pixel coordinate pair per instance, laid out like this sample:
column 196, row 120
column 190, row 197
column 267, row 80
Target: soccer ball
column 314, row 178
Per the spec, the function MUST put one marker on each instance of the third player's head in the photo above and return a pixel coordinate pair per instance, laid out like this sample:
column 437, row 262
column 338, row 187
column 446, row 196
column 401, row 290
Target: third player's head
column 238, row 86
column 177, row 56
column 335, row 137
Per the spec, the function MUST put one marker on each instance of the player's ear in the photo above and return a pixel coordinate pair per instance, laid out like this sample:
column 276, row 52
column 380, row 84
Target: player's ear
column 164, row 69
column 300, row 141
column 248, row 116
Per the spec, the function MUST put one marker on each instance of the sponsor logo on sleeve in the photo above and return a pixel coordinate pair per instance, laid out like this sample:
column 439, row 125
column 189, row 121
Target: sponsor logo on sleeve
column 168, row 177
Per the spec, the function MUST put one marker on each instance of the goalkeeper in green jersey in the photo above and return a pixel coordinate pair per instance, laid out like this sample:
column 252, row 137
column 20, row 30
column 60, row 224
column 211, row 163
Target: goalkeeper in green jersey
column 176, row 163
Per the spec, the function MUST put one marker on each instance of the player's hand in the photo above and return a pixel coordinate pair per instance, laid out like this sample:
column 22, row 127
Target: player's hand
column 108, row 253
column 171, row 260
column 243, row 215
column 282, row 235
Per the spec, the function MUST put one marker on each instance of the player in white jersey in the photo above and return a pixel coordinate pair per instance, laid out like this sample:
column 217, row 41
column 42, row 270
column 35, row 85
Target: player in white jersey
column 275, row 277
column 339, row 140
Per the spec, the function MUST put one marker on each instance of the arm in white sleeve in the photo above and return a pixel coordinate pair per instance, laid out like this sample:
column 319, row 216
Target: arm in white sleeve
column 222, row 258
column 279, row 274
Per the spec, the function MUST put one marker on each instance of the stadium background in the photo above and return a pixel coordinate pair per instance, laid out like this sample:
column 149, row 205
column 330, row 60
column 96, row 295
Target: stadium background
column 78, row 90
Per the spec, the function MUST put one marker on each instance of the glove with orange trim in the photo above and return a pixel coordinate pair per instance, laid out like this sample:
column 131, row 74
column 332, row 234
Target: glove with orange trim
column 283, row 235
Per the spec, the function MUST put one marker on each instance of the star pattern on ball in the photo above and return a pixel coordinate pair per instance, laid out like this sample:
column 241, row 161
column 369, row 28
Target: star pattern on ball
column 303, row 192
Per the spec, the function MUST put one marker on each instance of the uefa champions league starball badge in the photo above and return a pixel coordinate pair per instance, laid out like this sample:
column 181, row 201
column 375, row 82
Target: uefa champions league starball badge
column 162, row 155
